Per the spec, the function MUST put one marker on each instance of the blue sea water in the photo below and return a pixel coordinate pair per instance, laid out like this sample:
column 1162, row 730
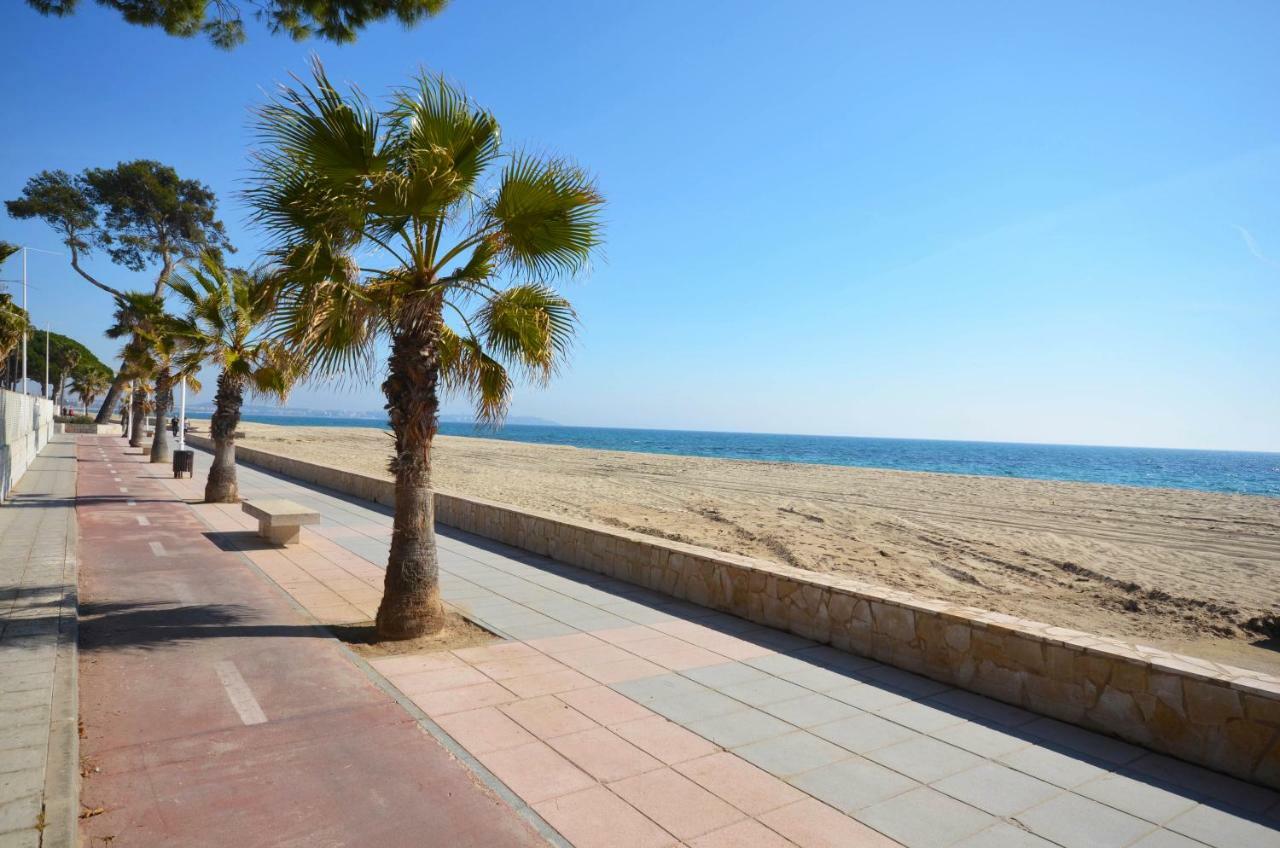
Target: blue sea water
column 1211, row 471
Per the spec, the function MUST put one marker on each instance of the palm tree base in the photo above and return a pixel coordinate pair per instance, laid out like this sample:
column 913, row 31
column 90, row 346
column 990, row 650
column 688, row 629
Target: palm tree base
column 410, row 616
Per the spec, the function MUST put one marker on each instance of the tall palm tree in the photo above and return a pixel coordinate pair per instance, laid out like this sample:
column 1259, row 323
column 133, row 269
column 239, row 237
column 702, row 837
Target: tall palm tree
column 457, row 243
column 135, row 317
column 156, row 352
column 89, row 384
column 175, row 358
column 227, row 313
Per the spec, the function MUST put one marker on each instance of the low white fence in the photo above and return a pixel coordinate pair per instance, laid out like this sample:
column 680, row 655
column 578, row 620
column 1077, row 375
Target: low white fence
column 26, row 423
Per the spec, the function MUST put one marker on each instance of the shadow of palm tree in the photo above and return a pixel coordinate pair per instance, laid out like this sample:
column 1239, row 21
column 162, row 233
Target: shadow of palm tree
column 152, row 625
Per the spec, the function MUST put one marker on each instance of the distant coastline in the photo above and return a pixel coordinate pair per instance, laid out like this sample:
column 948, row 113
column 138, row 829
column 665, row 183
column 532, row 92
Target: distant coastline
column 1229, row 472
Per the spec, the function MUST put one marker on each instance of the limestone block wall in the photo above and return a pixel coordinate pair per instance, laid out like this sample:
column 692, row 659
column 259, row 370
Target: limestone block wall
column 1214, row 715
column 26, row 423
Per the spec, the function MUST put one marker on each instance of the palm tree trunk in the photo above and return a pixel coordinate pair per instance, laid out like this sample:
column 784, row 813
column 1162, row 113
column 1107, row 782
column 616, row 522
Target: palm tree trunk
column 221, row 486
column 161, row 449
column 139, row 424
column 109, row 402
column 411, row 592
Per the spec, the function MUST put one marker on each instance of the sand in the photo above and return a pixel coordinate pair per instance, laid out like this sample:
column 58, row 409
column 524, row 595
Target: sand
column 1179, row 569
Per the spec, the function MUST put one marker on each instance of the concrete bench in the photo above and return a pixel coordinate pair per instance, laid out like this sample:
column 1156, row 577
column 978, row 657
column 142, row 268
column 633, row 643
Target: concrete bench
column 280, row 521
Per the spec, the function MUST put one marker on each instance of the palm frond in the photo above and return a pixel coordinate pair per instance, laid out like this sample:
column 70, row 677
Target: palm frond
column 546, row 215
column 529, row 326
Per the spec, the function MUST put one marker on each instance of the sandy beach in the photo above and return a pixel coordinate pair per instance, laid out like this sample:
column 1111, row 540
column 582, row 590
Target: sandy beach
column 1179, row 569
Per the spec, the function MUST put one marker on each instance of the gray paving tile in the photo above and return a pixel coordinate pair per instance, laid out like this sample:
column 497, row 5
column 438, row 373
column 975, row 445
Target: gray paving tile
column 918, row 716
column 1223, row 829
column 686, row 709
column 981, row 739
column 776, row 639
column 863, row 732
column 1076, row 822
column 20, row 784
column 1005, row 836
column 1091, row 744
column 1167, row 839
column 649, row 689
column 764, row 690
column 802, row 673
column 866, row 697
column 1236, row 793
column 740, row 728
column 852, row 784
column 914, row 685
column 1053, row 766
column 725, row 674
column 19, row 813
column 925, row 818
column 784, row 756
column 834, row 658
column 997, row 789
column 811, row 710
column 981, row 707
column 1138, row 796
column 924, row 758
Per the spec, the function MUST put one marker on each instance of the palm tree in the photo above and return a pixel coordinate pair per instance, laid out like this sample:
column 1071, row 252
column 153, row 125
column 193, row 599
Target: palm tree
column 156, row 352
column 227, row 313
column 458, row 241
column 89, row 384
column 174, row 358
column 135, row 316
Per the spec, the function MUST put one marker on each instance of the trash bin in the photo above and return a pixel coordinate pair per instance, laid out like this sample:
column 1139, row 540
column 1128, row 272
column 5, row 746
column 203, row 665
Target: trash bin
column 184, row 462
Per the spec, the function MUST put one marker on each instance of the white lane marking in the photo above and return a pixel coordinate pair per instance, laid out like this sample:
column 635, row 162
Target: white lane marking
column 158, row 549
column 239, row 693
column 131, row 502
column 143, row 520
column 123, row 490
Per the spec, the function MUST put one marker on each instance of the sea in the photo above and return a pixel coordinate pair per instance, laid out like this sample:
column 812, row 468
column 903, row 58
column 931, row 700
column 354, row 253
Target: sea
column 1235, row 472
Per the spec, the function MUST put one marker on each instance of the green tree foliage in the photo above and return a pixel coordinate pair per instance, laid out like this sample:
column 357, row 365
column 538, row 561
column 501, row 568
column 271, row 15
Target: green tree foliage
column 140, row 213
column 67, row 358
column 222, row 21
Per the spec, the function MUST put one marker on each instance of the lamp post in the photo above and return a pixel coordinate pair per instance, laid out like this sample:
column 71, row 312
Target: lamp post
column 25, row 250
column 48, row 388
column 28, row 314
column 182, row 415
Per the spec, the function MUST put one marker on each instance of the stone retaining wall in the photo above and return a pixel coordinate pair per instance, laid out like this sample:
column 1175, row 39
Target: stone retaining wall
column 110, row 429
column 1214, row 715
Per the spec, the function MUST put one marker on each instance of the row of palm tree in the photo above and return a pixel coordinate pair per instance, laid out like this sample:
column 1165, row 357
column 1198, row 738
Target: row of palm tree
column 410, row 226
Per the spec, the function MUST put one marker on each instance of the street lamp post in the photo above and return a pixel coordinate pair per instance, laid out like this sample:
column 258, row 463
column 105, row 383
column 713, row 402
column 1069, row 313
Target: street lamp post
column 28, row 315
column 182, row 416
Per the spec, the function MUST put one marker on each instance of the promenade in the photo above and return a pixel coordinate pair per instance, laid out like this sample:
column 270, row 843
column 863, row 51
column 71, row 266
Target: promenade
column 217, row 710
column 38, row 744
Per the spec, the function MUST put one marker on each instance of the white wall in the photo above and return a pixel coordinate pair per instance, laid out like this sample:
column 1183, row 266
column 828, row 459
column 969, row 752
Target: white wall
column 26, row 423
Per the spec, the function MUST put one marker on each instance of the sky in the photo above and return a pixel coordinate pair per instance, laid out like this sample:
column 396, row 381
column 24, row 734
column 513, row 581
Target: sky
column 990, row 221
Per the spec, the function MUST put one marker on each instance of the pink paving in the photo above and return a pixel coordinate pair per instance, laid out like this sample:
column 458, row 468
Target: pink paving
column 599, row 767
column 216, row 714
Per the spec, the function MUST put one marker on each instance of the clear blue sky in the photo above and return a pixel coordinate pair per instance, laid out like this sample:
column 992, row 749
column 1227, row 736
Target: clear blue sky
column 972, row 221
